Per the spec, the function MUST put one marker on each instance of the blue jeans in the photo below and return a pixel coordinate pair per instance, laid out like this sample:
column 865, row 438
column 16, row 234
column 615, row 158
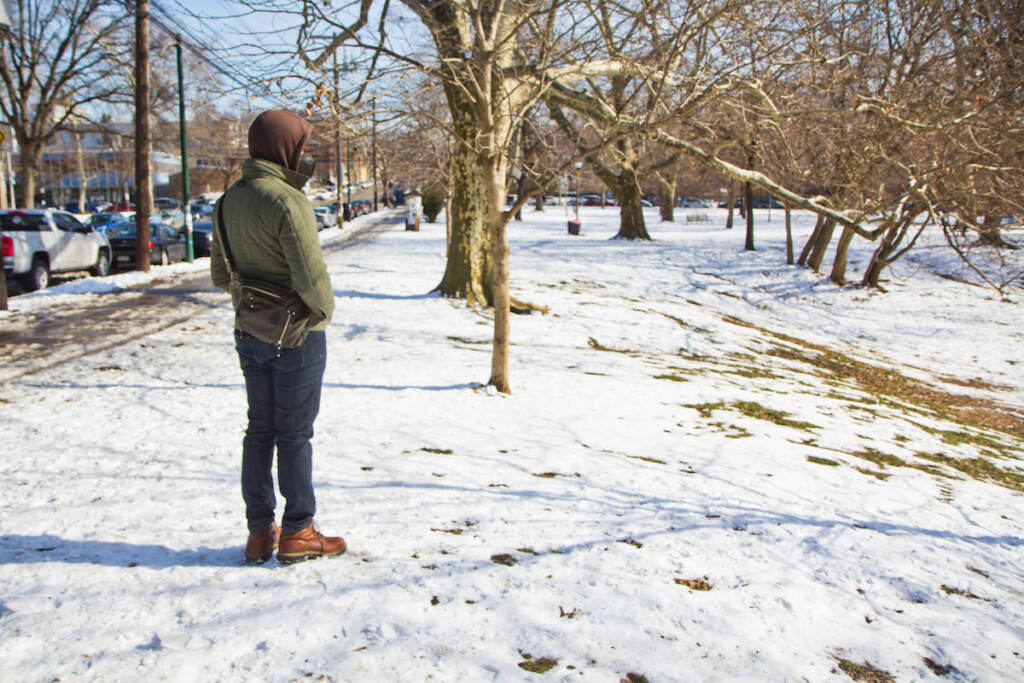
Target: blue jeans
column 284, row 399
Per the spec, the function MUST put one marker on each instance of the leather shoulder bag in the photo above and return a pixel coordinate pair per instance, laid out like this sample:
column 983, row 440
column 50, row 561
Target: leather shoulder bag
column 267, row 311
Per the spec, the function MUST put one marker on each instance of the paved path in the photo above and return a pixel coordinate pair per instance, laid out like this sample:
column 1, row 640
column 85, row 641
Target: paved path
column 45, row 338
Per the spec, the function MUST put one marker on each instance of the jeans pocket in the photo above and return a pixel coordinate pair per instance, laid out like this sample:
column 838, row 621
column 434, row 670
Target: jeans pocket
column 291, row 360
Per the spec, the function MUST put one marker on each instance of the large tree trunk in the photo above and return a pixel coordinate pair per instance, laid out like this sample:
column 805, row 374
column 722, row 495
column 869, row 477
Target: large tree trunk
column 83, row 180
column 668, row 200
column 631, row 213
column 468, row 266
column 821, row 245
column 838, row 274
column 748, row 208
column 626, row 188
column 31, row 162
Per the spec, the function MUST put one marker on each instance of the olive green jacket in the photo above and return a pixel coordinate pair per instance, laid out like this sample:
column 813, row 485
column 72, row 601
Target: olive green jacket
column 272, row 231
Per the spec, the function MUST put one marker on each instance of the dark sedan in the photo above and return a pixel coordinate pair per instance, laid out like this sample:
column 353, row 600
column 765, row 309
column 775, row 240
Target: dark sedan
column 202, row 238
column 166, row 244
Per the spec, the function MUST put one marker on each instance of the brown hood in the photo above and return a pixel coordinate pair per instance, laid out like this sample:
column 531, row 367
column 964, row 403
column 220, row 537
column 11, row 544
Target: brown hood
column 279, row 136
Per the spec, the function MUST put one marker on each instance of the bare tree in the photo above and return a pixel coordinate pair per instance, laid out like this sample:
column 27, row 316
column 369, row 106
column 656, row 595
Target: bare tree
column 63, row 56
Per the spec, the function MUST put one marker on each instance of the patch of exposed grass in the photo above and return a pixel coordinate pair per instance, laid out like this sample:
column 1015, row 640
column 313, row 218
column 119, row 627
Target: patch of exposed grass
column 735, row 431
column 980, row 469
column 953, row 590
column 464, row 340
column 961, row 437
column 738, row 322
column 864, row 672
column 822, row 461
column 879, row 458
column 705, row 409
column 454, row 532
column 752, row 372
column 598, row 346
column 505, row 559
column 437, row 451
column 672, row 378
column 678, row 321
column 939, row 669
column 962, row 409
column 880, row 476
column 636, row 678
column 779, row 417
column 646, row 459
column 975, row 383
column 538, row 666
column 700, row 584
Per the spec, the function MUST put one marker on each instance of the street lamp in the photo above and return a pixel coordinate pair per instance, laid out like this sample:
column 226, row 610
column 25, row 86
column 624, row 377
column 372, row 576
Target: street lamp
column 579, row 167
column 574, row 225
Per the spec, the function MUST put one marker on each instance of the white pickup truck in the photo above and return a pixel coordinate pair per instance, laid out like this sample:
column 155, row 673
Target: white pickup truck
column 37, row 242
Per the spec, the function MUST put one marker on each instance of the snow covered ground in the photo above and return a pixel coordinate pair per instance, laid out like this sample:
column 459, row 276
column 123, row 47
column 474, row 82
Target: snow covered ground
column 712, row 467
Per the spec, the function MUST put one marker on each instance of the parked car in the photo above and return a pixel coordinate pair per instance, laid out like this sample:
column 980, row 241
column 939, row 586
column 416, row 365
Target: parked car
column 201, row 208
column 766, row 203
column 325, row 218
column 202, row 238
column 101, row 222
column 172, row 217
column 72, row 207
column 38, row 242
column 166, row 244
column 362, row 206
column 759, row 203
column 120, row 206
column 694, row 203
column 166, row 203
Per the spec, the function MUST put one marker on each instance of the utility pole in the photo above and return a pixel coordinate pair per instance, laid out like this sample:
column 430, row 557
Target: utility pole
column 373, row 162
column 337, row 144
column 348, row 168
column 143, row 188
column 185, row 189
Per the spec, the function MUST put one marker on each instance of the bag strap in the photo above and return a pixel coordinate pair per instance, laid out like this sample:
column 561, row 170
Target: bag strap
column 229, row 259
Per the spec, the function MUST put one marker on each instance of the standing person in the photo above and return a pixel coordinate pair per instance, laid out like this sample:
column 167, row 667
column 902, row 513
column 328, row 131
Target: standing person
column 271, row 230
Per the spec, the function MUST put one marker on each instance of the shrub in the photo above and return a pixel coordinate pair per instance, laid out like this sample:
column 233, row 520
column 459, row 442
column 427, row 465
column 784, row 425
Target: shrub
column 433, row 202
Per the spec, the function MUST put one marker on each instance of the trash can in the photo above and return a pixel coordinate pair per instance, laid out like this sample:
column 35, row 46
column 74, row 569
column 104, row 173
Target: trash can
column 574, row 227
column 413, row 210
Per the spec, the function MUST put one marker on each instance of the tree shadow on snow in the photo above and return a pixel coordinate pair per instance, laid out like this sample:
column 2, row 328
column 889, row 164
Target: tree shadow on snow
column 46, row 548
column 353, row 294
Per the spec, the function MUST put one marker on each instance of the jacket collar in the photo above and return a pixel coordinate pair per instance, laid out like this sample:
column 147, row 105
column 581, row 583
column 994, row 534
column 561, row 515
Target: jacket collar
column 261, row 168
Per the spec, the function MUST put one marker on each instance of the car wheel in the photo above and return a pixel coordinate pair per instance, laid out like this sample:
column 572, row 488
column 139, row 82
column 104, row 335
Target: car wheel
column 38, row 277
column 102, row 267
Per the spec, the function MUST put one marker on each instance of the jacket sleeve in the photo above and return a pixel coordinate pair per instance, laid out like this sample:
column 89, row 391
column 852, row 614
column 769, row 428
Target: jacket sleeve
column 218, row 270
column 305, row 259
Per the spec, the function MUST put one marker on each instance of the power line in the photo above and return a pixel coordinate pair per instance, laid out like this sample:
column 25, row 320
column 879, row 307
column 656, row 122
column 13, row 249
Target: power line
column 178, row 30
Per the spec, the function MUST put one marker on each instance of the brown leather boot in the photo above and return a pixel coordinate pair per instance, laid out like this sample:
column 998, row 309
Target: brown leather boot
column 262, row 544
column 308, row 544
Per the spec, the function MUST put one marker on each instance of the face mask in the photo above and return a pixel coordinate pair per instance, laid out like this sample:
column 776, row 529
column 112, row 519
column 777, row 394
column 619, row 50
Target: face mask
column 307, row 165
